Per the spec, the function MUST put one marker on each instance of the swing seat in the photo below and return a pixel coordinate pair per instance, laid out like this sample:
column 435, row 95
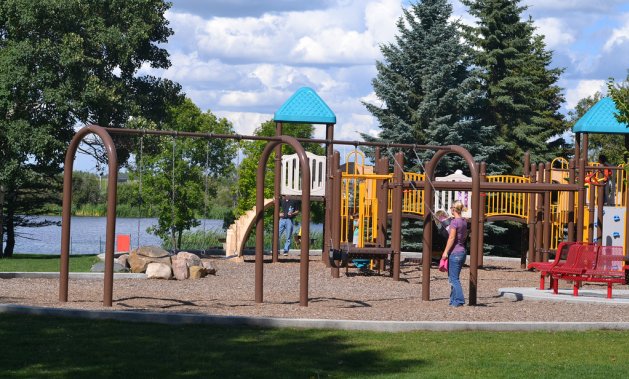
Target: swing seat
column 361, row 263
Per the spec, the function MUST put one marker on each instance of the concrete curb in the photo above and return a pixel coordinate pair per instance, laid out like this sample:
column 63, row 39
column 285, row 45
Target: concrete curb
column 267, row 322
column 72, row 275
column 589, row 296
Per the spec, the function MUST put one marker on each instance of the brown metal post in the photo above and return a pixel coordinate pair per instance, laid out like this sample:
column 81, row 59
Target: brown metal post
column 336, row 209
column 483, row 198
column 305, row 225
column 539, row 217
column 591, row 209
column 531, row 216
column 581, row 200
column 327, row 231
column 584, row 148
column 427, row 235
column 577, row 147
column 381, row 196
column 276, row 195
column 600, row 203
column 571, row 172
column 396, row 217
column 110, row 228
column 547, row 215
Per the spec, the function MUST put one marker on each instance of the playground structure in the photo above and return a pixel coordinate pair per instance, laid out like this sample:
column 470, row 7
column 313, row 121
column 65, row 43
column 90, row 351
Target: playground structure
column 381, row 195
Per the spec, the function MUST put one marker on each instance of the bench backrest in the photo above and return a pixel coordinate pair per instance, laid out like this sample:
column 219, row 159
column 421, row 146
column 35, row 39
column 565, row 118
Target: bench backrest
column 610, row 259
column 562, row 251
column 574, row 256
column 588, row 256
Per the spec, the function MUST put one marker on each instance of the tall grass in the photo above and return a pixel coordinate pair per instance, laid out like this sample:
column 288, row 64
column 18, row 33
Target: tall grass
column 213, row 239
column 198, row 240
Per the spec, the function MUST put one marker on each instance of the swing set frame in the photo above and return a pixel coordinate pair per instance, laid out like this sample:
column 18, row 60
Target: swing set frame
column 275, row 143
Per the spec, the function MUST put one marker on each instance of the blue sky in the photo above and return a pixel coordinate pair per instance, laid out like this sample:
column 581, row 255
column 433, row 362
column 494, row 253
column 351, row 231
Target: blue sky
column 242, row 59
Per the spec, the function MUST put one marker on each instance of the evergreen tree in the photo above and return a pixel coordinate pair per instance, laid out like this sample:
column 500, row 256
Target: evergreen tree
column 427, row 92
column 522, row 97
column 430, row 96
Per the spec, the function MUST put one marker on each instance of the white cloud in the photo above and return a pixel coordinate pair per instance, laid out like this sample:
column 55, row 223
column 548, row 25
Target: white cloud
column 245, row 122
column 582, row 89
column 556, row 33
column 620, row 36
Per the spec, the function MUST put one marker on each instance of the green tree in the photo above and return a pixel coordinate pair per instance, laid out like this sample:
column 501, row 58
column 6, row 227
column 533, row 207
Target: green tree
column 521, row 94
column 620, row 94
column 64, row 63
column 612, row 144
column 174, row 170
column 252, row 150
column 427, row 91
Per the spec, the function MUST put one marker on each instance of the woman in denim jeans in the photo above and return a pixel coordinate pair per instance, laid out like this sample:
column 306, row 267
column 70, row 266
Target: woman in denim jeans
column 455, row 253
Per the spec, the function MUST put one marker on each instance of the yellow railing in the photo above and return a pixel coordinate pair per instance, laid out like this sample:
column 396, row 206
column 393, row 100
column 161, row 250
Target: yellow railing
column 359, row 196
column 513, row 204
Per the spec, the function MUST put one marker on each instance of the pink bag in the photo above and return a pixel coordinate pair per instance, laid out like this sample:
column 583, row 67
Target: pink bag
column 443, row 265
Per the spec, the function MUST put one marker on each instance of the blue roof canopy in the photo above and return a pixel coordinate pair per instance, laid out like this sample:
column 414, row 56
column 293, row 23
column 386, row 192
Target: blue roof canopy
column 601, row 118
column 305, row 106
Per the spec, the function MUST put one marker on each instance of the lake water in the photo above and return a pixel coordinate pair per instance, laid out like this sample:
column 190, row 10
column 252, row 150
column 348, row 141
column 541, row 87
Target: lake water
column 87, row 235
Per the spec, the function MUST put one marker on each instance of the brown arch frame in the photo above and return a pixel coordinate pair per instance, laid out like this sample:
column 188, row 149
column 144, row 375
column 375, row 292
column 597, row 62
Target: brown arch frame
column 110, row 229
column 476, row 220
column 305, row 210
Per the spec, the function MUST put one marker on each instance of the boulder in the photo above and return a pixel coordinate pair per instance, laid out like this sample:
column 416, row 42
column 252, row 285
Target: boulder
column 197, row 272
column 191, row 259
column 158, row 271
column 123, row 260
column 210, row 269
column 140, row 258
column 180, row 267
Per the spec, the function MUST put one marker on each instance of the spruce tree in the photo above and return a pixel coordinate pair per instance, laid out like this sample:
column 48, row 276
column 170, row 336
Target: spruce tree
column 427, row 92
column 522, row 97
column 429, row 95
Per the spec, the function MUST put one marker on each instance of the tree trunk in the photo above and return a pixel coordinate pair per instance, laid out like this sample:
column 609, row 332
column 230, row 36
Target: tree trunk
column 1, row 219
column 10, row 226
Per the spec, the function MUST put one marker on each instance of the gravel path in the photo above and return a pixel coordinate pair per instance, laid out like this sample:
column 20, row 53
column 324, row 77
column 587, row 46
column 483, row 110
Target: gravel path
column 351, row 297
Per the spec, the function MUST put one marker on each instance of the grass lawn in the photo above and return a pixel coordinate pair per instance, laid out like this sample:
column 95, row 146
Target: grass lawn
column 45, row 263
column 37, row 346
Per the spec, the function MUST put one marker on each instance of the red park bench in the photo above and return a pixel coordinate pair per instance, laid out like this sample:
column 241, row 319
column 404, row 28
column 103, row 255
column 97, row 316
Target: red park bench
column 560, row 259
column 591, row 263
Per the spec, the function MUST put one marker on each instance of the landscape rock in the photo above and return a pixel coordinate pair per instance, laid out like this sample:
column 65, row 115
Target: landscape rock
column 140, row 258
column 198, row 272
column 210, row 269
column 180, row 267
column 156, row 270
column 191, row 259
column 123, row 260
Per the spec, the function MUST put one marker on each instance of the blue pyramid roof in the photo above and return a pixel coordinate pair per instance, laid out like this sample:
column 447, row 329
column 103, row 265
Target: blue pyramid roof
column 601, row 118
column 305, row 106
